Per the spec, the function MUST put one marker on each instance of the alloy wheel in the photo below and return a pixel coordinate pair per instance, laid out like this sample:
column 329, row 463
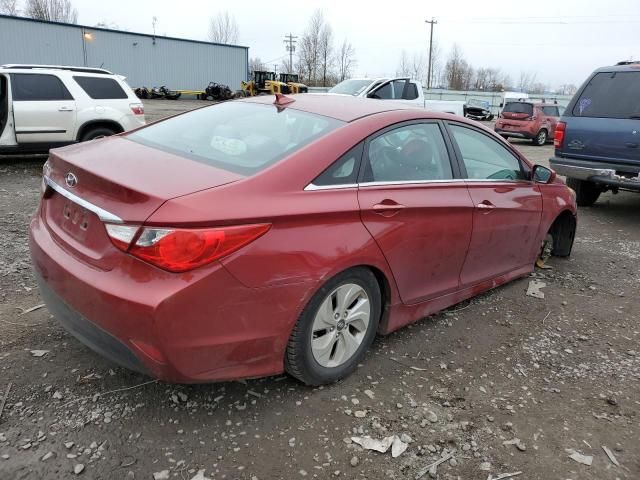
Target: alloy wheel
column 340, row 325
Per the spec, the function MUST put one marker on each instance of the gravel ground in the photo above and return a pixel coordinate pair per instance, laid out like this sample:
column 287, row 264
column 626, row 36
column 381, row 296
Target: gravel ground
column 503, row 383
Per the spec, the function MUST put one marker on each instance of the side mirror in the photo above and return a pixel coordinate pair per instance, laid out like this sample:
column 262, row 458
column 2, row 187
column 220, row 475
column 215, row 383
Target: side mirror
column 542, row 174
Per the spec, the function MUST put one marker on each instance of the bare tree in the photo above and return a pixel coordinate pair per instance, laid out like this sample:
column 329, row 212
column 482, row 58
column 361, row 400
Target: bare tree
column 255, row 64
column 404, row 69
column 51, row 10
column 457, row 70
column 526, row 80
column 309, row 54
column 325, row 48
column 436, row 65
column 223, row 28
column 9, row 7
column 346, row 60
column 418, row 66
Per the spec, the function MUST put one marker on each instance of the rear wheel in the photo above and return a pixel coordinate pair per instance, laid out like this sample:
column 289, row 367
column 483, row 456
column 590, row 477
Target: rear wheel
column 586, row 192
column 541, row 138
column 335, row 329
column 98, row 132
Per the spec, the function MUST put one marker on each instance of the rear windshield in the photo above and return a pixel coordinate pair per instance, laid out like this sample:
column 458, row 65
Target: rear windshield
column 351, row 87
column 241, row 137
column 610, row 95
column 518, row 107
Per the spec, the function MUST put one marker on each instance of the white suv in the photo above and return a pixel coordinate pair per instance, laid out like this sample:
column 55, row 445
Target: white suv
column 46, row 106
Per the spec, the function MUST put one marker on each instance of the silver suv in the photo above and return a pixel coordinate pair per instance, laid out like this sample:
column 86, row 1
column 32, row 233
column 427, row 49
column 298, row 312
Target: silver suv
column 46, row 106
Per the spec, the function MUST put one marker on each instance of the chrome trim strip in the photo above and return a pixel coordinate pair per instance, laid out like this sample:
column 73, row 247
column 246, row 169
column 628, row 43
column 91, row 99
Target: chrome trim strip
column 312, row 187
column 100, row 212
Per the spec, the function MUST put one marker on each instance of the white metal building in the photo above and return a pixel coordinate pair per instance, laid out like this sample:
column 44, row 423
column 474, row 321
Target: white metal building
column 146, row 60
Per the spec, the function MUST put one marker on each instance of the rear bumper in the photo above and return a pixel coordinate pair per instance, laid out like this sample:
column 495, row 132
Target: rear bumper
column 200, row 326
column 514, row 134
column 608, row 174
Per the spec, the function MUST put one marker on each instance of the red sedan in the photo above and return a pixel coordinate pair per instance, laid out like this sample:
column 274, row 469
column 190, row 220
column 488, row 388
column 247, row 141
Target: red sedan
column 256, row 236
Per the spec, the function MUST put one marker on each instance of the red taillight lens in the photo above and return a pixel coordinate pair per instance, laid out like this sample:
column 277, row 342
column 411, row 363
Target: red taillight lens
column 180, row 250
column 558, row 137
column 137, row 108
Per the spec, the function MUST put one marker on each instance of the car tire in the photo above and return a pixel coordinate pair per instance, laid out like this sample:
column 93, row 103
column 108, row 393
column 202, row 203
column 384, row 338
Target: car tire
column 98, row 132
column 323, row 349
column 541, row 138
column 586, row 192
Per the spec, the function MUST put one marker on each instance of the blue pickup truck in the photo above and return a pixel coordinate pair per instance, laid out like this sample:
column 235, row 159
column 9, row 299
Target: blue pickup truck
column 597, row 141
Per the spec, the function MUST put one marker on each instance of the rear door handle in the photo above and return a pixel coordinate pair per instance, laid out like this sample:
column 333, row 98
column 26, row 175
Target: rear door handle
column 631, row 145
column 387, row 208
column 486, row 205
column 65, row 109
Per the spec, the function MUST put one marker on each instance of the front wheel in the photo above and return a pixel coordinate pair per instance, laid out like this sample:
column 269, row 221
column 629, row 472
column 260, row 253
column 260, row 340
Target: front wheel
column 335, row 329
column 586, row 192
column 541, row 138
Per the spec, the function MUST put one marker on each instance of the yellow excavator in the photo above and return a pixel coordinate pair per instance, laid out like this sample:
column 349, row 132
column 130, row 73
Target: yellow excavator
column 263, row 83
column 292, row 80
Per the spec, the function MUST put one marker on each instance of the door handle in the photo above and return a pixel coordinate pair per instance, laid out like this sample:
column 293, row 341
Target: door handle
column 631, row 145
column 387, row 208
column 65, row 109
column 486, row 205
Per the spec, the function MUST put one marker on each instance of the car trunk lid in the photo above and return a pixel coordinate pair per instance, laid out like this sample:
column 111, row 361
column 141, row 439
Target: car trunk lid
column 114, row 181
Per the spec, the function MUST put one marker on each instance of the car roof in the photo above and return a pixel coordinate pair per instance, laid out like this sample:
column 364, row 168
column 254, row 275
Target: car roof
column 345, row 108
column 620, row 67
column 28, row 67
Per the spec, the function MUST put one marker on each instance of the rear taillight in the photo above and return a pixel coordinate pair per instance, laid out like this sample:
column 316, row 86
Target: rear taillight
column 183, row 249
column 558, row 137
column 137, row 108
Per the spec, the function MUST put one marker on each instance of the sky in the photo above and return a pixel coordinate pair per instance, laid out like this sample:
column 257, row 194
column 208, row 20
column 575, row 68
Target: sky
column 561, row 41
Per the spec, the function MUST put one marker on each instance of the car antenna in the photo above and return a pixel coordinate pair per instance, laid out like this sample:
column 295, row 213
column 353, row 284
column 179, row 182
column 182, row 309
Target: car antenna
column 282, row 100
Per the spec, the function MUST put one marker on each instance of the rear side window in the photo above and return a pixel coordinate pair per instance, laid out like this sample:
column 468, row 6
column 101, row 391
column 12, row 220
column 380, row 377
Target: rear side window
column 411, row 92
column 100, row 88
column 484, row 158
column 33, row 87
column 610, row 95
column 241, row 137
column 518, row 107
column 344, row 171
column 550, row 111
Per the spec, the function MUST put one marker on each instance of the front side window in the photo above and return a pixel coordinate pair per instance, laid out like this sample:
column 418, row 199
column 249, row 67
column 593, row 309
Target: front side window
column 241, row 137
column 550, row 111
column 384, row 92
column 484, row 158
column 401, row 87
column 411, row 153
column 610, row 95
column 38, row 87
column 101, row 88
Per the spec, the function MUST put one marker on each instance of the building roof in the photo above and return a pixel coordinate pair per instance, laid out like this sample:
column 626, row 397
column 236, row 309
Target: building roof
column 91, row 28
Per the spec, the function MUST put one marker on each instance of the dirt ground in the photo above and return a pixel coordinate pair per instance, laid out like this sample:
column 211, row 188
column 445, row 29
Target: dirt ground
column 505, row 383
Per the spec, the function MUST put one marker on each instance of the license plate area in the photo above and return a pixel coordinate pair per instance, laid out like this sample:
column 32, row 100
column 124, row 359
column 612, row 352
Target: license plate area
column 75, row 219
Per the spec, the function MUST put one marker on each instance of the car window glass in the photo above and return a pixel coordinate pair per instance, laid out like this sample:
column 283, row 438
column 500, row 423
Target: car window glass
column 38, row 87
column 484, row 157
column 518, row 107
column 100, row 88
column 343, row 171
column 399, row 89
column 410, row 153
column 550, row 111
column 241, row 137
column 384, row 92
column 610, row 95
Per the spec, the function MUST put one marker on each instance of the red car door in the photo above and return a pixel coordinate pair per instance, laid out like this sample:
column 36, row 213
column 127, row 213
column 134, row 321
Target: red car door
column 418, row 214
column 507, row 206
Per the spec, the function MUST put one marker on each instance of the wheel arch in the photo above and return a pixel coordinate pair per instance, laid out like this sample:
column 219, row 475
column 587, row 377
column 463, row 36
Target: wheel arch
column 102, row 123
column 563, row 232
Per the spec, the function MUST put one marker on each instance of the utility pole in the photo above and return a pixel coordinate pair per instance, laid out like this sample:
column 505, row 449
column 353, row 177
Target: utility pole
column 290, row 41
column 431, row 23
